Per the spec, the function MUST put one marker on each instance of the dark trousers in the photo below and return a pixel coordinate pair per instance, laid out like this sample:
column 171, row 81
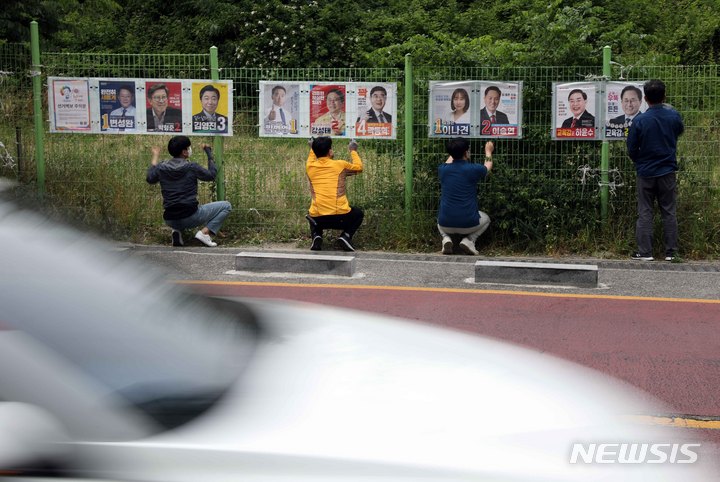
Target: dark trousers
column 664, row 189
column 348, row 222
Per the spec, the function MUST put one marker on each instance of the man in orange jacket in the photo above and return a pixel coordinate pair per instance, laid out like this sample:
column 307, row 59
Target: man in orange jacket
column 330, row 208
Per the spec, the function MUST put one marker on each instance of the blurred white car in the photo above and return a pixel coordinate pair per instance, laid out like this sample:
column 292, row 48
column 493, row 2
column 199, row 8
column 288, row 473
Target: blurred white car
column 108, row 372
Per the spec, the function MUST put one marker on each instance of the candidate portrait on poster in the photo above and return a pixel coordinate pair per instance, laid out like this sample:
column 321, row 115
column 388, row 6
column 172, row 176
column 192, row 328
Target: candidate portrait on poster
column 280, row 108
column 163, row 106
column 70, row 104
column 328, row 110
column 210, row 102
column 623, row 103
column 117, row 105
column 451, row 109
column 575, row 106
column 500, row 109
column 376, row 109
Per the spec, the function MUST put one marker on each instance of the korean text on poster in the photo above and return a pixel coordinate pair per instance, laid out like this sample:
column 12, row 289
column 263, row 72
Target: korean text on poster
column 500, row 109
column 211, row 107
column 327, row 110
column 279, row 109
column 451, row 109
column 575, row 111
column 376, row 109
column 163, row 106
column 117, row 105
column 623, row 102
column 69, row 105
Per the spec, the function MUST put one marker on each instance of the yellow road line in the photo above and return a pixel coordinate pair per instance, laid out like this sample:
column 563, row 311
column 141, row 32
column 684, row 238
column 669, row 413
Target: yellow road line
column 448, row 290
column 680, row 422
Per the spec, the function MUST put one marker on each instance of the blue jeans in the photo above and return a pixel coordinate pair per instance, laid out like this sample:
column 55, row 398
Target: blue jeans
column 211, row 215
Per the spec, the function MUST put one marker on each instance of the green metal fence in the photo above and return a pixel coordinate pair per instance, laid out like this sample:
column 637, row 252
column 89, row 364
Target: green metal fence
column 543, row 195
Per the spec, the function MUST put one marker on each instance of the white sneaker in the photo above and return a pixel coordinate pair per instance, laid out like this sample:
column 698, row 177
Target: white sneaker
column 468, row 247
column 447, row 245
column 205, row 239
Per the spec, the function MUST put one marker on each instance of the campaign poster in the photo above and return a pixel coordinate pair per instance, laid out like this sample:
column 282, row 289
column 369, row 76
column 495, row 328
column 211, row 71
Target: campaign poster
column 576, row 111
column 117, row 105
column 376, row 110
column 70, row 104
column 279, row 109
column 327, row 110
column 210, row 107
column 451, row 109
column 623, row 102
column 500, row 109
column 163, row 106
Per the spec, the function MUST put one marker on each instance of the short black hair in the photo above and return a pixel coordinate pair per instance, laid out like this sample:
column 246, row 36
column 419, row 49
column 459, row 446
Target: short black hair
column 209, row 88
column 457, row 147
column 276, row 88
column 128, row 88
column 632, row 88
column 493, row 87
column 577, row 91
column 178, row 144
column 377, row 88
column 654, row 91
column 321, row 146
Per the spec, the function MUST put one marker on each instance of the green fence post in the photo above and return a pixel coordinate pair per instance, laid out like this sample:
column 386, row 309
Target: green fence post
column 605, row 152
column 218, row 141
column 37, row 108
column 408, row 138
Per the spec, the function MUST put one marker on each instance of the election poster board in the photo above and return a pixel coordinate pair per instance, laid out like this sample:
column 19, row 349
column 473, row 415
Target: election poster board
column 475, row 109
column 500, row 109
column 211, row 107
column 623, row 102
column 140, row 106
column 163, row 106
column 118, row 110
column 336, row 109
column 376, row 108
column 70, row 102
column 280, row 109
column 576, row 111
column 328, row 113
column 451, row 109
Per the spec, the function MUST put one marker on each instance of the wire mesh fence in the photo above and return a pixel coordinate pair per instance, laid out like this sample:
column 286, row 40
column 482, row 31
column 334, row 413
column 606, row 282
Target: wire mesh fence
column 543, row 194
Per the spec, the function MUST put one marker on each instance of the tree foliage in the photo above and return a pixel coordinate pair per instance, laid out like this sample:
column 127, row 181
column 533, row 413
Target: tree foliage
column 331, row 33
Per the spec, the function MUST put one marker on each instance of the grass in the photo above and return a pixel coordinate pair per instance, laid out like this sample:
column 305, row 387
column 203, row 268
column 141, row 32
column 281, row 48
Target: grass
column 535, row 197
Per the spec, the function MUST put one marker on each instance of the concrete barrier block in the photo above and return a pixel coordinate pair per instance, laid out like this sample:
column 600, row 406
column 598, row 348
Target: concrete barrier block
column 528, row 273
column 295, row 263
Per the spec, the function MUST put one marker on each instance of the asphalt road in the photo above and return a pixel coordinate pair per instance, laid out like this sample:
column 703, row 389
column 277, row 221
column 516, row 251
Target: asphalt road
column 654, row 325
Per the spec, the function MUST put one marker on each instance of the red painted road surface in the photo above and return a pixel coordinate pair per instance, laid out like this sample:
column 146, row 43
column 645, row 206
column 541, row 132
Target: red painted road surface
column 669, row 348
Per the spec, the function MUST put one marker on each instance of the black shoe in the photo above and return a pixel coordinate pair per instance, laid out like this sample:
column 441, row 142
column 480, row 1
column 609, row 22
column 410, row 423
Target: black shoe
column 344, row 242
column 316, row 243
column 640, row 257
column 177, row 239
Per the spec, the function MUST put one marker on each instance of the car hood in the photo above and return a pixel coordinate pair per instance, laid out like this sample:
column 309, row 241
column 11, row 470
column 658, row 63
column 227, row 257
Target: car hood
column 342, row 394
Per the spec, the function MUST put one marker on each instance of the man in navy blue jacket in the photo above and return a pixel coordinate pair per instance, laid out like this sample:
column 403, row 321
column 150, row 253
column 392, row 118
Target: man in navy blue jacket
column 178, row 180
column 652, row 145
column 458, row 213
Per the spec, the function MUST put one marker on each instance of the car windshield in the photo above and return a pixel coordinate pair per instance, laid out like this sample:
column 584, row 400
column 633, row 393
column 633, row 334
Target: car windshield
column 166, row 352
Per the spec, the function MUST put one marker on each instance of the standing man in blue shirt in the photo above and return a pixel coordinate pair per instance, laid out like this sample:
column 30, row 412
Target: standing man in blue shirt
column 459, row 212
column 652, row 146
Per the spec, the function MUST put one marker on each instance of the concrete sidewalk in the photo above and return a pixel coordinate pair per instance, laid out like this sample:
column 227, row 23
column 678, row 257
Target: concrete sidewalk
column 661, row 279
